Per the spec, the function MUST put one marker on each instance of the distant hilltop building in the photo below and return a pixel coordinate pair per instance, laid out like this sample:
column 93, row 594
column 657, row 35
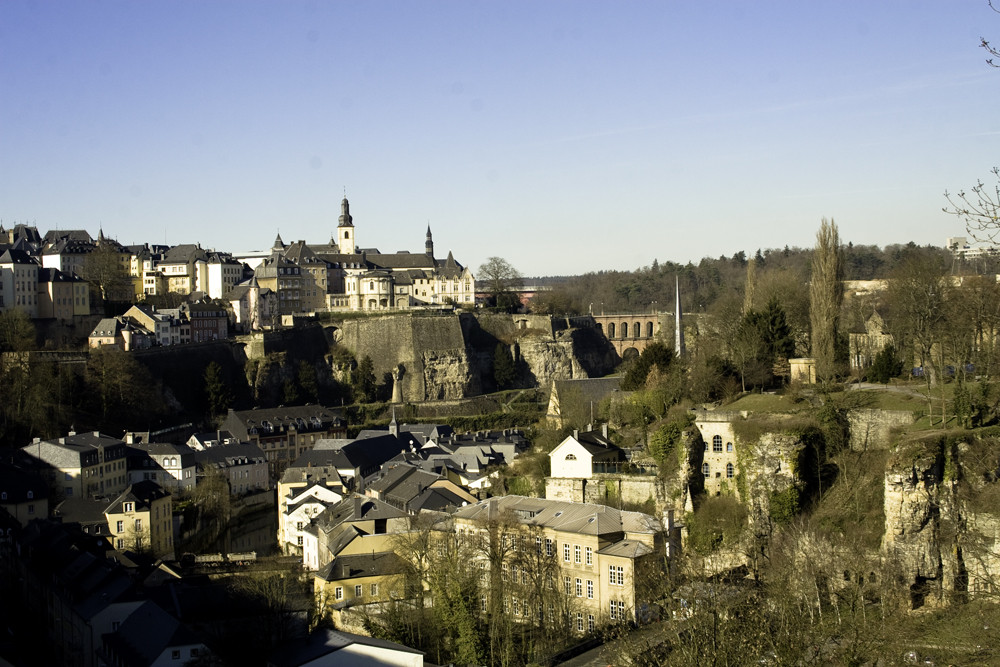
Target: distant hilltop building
column 959, row 246
column 342, row 276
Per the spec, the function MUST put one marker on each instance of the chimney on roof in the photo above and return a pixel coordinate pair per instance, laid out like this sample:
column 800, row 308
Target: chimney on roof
column 357, row 507
column 576, row 434
column 604, row 429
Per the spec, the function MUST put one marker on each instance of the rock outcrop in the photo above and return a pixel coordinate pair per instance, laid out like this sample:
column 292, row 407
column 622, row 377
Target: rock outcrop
column 940, row 515
column 447, row 357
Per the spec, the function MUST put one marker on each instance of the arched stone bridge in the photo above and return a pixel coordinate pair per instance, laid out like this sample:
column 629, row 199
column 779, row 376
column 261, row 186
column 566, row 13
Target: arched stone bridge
column 630, row 334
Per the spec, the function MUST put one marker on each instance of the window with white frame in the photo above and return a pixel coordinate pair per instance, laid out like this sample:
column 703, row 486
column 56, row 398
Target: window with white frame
column 566, row 553
column 590, row 589
column 359, row 590
column 579, row 587
column 590, row 622
column 717, row 443
column 576, row 553
column 590, row 556
column 616, row 575
column 338, row 593
column 568, row 583
column 579, row 621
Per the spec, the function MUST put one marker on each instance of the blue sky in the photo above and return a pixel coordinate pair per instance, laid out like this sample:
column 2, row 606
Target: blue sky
column 564, row 136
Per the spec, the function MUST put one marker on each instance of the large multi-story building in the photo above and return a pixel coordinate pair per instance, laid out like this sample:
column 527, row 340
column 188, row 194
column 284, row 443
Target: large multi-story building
column 61, row 296
column 284, row 433
column 19, row 282
column 595, row 556
column 141, row 519
column 82, row 465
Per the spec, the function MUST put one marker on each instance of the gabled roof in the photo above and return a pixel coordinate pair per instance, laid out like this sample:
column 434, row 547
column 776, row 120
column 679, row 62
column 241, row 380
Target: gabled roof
column 143, row 494
column 50, row 275
column 146, row 634
column 69, row 451
column 18, row 485
column 230, row 455
column 355, row 508
column 362, row 565
column 54, row 235
column 583, row 518
column 184, row 254
column 324, row 642
column 16, row 257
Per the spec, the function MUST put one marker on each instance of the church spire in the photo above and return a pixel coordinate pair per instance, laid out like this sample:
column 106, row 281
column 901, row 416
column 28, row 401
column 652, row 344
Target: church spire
column 345, row 230
column 678, row 328
column 345, row 214
column 429, row 243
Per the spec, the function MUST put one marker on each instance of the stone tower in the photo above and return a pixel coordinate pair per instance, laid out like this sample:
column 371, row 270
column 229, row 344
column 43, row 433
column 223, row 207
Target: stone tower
column 429, row 244
column 345, row 229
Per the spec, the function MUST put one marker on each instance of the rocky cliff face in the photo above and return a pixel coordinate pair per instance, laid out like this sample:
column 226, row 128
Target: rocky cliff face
column 940, row 514
column 450, row 357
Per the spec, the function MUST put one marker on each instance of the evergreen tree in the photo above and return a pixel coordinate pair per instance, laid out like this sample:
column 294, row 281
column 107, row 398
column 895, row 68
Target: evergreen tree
column 217, row 393
column 364, row 384
column 504, row 371
column 886, row 365
column 826, row 292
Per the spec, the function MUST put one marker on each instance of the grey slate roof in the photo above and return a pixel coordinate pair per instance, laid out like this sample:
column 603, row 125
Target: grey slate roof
column 585, row 518
column 146, row 634
column 362, row 565
column 324, row 642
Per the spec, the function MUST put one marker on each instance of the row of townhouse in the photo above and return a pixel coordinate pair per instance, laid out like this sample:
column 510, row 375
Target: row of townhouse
column 93, row 465
column 41, row 292
column 144, row 326
column 286, row 280
column 405, row 467
column 74, row 602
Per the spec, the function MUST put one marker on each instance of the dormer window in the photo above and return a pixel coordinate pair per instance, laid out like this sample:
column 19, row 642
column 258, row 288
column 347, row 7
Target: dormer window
column 31, row 494
column 128, row 507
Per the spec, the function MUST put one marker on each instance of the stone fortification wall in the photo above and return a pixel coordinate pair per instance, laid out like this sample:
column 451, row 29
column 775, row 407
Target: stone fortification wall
column 872, row 429
column 309, row 341
column 431, row 350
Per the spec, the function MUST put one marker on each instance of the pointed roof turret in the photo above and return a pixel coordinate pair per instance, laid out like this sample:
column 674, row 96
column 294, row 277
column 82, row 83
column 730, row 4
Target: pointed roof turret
column 429, row 243
column 278, row 243
column 345, row 214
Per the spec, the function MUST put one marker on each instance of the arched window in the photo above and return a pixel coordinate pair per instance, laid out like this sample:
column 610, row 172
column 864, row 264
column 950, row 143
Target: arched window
column 649, row 329
column 716, row 443
column 704, row 470
column 611, row 329
column 571, row 457
column 637, row 330
column 729, row 446
column 729, row 470
column 624, row 329
column 371, row 286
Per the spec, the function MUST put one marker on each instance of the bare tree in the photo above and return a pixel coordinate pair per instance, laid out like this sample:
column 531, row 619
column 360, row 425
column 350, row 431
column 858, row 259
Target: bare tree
column 502, row 282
